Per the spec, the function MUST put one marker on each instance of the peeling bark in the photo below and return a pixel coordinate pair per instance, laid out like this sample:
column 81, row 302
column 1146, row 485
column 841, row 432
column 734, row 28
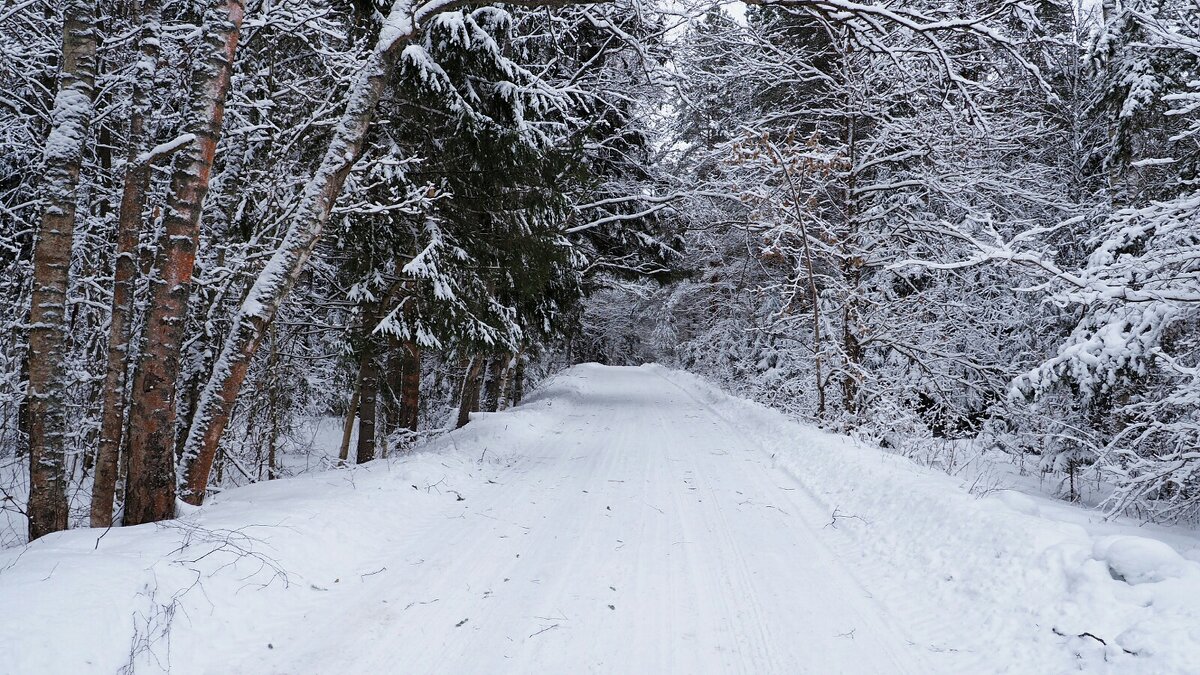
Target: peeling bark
column 47, row 395
column 151, row 492
column 129, row 225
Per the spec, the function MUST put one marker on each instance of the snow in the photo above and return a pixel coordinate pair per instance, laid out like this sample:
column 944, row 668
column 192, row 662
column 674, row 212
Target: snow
column 630, row 520
column 1138, row 560
column 70, row 116
column 165, row 148
column 1013, row 579
column 397, row 26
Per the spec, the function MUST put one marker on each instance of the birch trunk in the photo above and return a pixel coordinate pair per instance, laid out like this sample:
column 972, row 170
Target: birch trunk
column 129, row 221
column 502, row 402
column 348, row 424
column 150, row 496
column 47, row 396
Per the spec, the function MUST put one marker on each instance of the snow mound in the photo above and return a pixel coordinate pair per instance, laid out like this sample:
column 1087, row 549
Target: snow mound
column 1017, row 502
column 1138, row 560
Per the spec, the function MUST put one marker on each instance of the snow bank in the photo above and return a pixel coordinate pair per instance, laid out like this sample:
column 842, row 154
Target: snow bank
column 1020, row 592
column 158, row 597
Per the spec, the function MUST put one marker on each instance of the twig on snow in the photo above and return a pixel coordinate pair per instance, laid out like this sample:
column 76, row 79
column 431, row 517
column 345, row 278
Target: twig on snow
column 544, row 630
column 837, row 514
column 1086, row 634
column 371, row 574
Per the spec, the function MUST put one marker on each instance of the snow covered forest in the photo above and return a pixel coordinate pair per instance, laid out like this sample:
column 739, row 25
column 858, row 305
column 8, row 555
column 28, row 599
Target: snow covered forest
column 250, row 240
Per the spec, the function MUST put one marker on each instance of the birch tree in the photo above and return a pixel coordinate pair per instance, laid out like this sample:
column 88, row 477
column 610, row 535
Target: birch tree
column 48, row 377
column 151, row 493
column 138, row 159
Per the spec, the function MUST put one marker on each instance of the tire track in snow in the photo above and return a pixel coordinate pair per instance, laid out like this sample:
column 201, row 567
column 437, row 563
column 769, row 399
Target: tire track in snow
column 934, row 629
column 649, row 549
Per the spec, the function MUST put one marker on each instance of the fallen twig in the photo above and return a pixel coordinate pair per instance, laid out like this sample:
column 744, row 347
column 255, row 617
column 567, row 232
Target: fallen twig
column 371, row 574
column 1086, row 634
column 837, row 514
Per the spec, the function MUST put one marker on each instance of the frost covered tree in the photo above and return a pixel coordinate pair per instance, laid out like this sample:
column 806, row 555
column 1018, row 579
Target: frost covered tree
column 398, row 43
column 1130, row 358
column 916, row 224
column 70, row 120
column 852, row 150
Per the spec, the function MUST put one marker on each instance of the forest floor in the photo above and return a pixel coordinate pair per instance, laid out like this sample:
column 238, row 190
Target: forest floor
column 623, row 520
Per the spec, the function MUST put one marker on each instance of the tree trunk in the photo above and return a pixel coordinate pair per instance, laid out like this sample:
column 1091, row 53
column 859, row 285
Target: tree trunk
column 458, row 376
column 275, row 405
column 852, row 264
column 392, row 389
column 410, row 395
column 368, row 389
column 518, row 384
column 810, row 271
column 47, row 396
column 492, row 382
column 503, row 397
column 477, row 385
column 348, row 425
column 129, row 221
column 404, row 384
column 468, row 397
column 151, row 491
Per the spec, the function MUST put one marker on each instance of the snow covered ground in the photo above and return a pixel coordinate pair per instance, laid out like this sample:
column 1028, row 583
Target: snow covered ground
column 624, row 520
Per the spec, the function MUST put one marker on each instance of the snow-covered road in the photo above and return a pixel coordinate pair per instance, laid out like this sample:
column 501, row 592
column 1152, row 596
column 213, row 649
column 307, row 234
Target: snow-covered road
column 641, row 534
column 623, row 520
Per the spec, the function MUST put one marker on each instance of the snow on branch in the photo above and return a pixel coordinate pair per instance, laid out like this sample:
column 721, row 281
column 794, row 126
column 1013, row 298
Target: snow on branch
column 164, row 149
column 870, row 22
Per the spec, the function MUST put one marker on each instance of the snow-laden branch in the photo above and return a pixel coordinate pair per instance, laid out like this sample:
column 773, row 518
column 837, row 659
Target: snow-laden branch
column 164, row 149
column 876, row 18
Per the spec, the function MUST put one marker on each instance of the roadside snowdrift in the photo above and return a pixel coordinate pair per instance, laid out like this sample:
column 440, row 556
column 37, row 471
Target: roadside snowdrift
column 158, row 598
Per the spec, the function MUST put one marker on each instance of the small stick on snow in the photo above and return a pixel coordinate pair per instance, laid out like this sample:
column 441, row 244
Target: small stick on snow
column 1090, row 635
column 415, row 602
column 544, row 630
column 371, row 574
column 837, row 514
